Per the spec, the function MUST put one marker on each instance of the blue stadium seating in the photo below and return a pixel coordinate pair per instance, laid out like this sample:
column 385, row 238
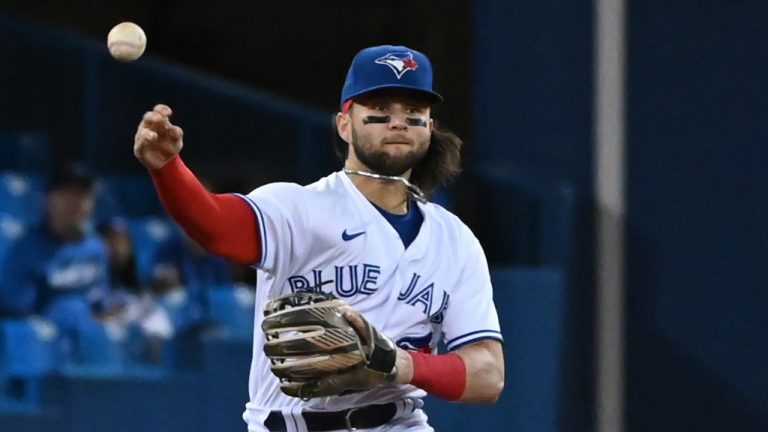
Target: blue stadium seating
column 21, row 204
column 147, row 234
column 126, row 196
column 29, row 351
column 100, row 352
column 11, row 228
column 232, row 309
column 22, row 194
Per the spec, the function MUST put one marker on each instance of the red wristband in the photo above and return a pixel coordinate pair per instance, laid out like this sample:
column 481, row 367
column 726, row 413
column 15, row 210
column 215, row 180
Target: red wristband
column 443, row 375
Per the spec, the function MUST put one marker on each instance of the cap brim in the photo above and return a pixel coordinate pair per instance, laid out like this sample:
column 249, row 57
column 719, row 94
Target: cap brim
column 432, row 96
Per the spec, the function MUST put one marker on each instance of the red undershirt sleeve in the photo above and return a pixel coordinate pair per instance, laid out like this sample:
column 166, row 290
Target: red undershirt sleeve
column 223, row 224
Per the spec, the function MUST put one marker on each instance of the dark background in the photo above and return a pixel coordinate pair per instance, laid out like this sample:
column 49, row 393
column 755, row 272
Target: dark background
column 296, row 49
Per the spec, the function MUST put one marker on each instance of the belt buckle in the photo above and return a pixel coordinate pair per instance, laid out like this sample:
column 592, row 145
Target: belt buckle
column 348, row 419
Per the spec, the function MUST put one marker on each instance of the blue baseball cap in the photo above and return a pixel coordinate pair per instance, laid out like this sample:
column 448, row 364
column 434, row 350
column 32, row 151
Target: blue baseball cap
column 389, row 66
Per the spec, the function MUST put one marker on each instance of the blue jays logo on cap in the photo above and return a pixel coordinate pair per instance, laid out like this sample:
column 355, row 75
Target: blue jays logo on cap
column 389, row 66
column 400, row 63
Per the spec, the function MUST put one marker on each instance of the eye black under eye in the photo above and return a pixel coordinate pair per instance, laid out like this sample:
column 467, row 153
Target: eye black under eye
column 376, row 119
column 415, row 121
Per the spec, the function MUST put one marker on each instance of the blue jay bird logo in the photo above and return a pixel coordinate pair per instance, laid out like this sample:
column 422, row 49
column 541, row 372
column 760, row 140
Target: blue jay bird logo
column 400, row 63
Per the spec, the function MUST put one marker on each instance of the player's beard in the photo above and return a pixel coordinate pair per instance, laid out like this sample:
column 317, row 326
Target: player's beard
column 381, row 162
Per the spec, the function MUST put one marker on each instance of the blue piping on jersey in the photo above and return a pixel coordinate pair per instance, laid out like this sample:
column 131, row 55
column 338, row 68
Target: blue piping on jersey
column 490, row 332
column 477, row 339
column 471, row 333
column 262, row 227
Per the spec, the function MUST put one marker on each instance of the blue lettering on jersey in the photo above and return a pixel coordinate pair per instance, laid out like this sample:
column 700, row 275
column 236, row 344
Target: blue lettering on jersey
column 358, row 283
column 348, row 280
column 351, row 280
column 424, row 297
column 437, row 317
column 370, row 277
column 299, row 283
column 408, row 290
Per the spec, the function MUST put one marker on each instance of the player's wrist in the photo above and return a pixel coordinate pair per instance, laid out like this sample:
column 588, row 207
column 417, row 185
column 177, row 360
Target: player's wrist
column 403, row 367
column 444, row 375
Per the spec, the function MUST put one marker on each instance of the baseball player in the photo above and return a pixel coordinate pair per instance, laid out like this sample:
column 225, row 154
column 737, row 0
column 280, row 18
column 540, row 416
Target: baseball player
column 407, row 272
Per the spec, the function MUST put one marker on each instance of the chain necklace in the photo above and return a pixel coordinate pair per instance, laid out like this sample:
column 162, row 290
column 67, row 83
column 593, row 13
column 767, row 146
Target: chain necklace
column 413, row 190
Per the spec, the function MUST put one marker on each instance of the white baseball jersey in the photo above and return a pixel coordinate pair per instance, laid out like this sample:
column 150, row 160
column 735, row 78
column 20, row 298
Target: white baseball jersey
column 328, row 234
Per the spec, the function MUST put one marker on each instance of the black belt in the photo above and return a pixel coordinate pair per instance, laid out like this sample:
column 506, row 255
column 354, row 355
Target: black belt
column 366, row 417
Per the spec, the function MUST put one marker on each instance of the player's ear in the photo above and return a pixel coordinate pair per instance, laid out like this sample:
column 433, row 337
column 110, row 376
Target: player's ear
column 344, row 126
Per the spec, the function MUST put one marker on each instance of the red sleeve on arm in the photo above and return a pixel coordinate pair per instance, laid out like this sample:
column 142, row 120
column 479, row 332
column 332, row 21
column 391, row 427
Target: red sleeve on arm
column 223, row 224
column 443, row 375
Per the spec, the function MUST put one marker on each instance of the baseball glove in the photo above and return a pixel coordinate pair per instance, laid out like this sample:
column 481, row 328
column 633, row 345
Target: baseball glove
column 316, row 352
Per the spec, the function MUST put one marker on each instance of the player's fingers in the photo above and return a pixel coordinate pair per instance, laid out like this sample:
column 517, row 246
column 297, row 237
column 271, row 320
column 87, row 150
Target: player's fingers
column 163, row 110
column 354, row 318
column 175, row 132
column 145, row 135
column 154, row 121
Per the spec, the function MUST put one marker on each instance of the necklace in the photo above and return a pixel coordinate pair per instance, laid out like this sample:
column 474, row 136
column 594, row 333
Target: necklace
column 413, row 190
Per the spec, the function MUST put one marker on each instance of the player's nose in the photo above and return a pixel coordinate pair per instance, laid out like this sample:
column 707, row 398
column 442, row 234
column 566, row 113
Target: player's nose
column 397, row 122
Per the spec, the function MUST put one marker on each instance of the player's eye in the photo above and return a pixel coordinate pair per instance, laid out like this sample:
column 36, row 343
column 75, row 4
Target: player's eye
column 380, row 107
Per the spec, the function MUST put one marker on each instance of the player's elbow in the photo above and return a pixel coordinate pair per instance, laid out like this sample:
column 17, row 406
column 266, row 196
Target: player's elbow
column 487, row 385
column 493, row 386
column 485, row 372
column 495, row 391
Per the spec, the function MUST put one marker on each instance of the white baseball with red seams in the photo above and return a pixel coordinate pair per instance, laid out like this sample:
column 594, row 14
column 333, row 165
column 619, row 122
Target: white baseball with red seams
column 328, row 234
column 126, row 41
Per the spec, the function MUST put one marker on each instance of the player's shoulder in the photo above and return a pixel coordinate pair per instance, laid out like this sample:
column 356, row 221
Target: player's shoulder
column 277, row 188
column 447, row 221
column 288, row 190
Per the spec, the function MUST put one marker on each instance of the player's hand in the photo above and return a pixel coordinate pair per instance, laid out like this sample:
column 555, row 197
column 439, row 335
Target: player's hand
column 157, row 140
column 404, row 369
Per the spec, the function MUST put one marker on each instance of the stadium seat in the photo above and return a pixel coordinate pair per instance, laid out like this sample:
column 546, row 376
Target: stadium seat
column 22, row 195
column 29, row 350
column 147, row 234
column 99, row 351
column 11, row 228
column 232, row 309
column 126, row 195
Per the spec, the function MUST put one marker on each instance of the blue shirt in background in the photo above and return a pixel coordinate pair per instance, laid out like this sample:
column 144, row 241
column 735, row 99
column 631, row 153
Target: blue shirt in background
column 39, row 270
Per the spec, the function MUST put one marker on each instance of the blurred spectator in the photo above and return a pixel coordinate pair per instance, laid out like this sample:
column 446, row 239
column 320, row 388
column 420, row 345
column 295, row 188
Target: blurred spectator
column 182, row 273
column 59, row 268
column 142, row 315
column 123, row 272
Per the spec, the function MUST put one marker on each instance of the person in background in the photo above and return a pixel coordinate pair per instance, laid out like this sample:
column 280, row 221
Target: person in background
column 142, row 316
column 59, row 269
column 182, row 273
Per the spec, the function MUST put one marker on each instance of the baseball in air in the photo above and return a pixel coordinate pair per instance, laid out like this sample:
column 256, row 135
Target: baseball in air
column 126, row 41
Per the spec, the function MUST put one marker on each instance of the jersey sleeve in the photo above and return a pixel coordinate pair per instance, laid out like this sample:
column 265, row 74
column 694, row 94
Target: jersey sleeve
column 282, row 222
column 471, row 314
